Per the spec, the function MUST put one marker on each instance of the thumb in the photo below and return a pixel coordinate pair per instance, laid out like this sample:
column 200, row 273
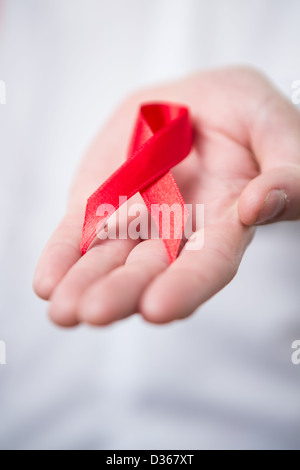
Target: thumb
column 271, row 197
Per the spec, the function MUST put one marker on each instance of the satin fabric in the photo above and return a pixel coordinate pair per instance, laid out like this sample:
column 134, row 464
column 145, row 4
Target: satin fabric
column 162, row 137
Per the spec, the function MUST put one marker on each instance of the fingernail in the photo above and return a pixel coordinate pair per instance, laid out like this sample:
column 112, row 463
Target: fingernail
column 273, row 206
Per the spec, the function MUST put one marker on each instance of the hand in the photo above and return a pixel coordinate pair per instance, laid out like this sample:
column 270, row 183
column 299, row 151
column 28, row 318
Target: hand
column 245, row 169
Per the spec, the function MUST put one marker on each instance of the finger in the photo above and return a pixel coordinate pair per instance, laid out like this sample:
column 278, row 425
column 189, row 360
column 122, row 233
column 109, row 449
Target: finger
column 97, row 262
column 103, row 157
column 196, row 275
column 275, row 141
column 117, row 295
column 61, row 252
column 272, row 196
column 63, row 249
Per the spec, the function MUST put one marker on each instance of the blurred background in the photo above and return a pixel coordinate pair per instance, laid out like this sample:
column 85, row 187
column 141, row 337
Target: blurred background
column 224, row 377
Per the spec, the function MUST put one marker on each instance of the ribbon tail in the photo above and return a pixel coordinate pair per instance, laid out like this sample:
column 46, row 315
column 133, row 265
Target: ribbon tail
column 169, row 212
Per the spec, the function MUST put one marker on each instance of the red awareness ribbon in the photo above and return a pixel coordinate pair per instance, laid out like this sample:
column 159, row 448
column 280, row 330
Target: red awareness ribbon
column 162, row 138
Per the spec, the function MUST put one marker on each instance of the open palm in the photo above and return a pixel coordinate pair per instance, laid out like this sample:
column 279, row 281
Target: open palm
column 244, row 168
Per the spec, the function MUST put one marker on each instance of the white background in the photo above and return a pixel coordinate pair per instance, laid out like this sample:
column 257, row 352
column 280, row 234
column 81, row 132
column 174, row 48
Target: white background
column 224, row 377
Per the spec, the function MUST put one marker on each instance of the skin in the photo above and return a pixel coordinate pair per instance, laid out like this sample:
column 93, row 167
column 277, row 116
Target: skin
column 247, row 145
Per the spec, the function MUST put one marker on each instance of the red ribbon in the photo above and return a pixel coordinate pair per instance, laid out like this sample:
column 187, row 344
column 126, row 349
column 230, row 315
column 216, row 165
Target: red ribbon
column 162, row 138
